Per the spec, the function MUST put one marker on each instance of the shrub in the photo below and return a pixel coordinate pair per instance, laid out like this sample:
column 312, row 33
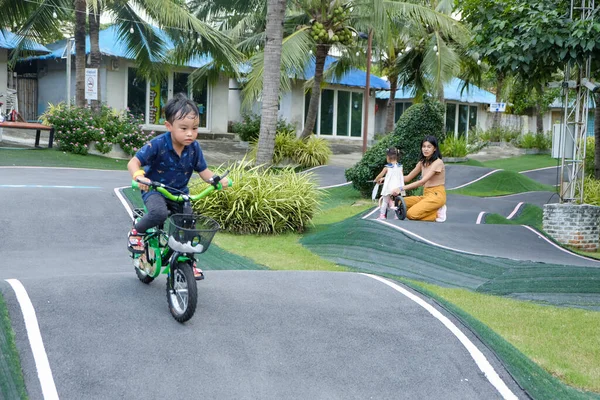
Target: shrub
column 591, row 191
column 249, row 128
column 527, row 141
column 419, row 120
column 590, row 149
column 543, row 141
column 77, row 127
column 454, row 147
column 307, row 153
column 261, row 200
column 500, row 134
column 74, row 127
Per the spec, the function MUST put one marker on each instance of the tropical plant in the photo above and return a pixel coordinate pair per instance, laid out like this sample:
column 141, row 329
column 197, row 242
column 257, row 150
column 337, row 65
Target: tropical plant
column 147, row 46
column 74, row 128
column 590, row 153
column 262, row 201
column 454, row 147
column 306, row 153
column 527, row 141
column 591, row 191
column 249, row 128
column 418, row 121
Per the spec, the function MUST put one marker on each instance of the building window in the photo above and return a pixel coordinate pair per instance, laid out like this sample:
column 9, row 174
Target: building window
column 136, row 93
column 150, row 99
column 399, row 109
column 340, row 113
column 326, row 119
column 195, row 90
column 159, row 95
column 356, row 110
column 343, row 113
column 450, row 118
column 472, row 118
column 463, row 117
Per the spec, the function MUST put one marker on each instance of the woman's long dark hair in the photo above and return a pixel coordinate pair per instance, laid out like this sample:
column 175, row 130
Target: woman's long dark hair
column 436, row 154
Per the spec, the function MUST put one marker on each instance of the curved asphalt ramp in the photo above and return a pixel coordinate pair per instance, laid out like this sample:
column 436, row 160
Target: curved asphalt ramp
column 328, row 175
column 255, row 334
column 460, row 175
column 265, row 335
column 548, row 176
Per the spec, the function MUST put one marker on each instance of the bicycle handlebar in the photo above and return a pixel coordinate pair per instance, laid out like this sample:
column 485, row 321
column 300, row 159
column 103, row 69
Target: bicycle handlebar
column 215, row 184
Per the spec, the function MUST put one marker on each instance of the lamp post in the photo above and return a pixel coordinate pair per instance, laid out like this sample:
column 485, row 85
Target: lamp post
column 369, row 38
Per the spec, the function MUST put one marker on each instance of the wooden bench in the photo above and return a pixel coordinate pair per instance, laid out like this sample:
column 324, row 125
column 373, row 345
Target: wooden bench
column 32, row 126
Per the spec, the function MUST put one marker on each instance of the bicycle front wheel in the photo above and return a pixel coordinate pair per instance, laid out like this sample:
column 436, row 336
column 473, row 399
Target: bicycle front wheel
column 182, row 292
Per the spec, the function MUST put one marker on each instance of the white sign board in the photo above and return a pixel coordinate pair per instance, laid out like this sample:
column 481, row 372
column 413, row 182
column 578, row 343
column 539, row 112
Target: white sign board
column 91, row 84
column 497, row 107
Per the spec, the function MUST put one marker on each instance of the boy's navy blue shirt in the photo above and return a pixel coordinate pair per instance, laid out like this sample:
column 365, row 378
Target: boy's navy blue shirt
column 163, row 164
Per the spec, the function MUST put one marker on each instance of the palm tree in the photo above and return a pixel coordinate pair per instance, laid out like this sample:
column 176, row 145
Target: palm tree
column 147, row 46
column 272, row 61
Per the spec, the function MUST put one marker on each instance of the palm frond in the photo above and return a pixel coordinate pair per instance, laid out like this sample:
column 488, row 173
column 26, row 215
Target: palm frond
column 295, row 55
column 440, row 65
column 182, row 22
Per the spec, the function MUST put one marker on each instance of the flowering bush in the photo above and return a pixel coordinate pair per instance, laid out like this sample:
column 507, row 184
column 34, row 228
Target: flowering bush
column 74, row 128
column 77, row 127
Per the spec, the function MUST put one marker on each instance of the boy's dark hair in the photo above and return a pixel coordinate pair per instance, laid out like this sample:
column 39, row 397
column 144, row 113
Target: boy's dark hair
column 393, row 152
column 179, row 107
column 436, row 154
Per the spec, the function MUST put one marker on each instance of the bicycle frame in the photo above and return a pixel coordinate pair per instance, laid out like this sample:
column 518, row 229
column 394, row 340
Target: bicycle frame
column 154, row 235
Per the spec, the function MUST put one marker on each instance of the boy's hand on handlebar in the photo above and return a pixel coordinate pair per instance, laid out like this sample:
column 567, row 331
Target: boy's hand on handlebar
column 143, row 183
column 225, row 183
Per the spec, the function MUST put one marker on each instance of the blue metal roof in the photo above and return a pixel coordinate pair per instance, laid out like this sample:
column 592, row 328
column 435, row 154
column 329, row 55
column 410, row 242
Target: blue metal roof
column 8, row 40
column 471, row 94
column 112, row 45
column 355, row 77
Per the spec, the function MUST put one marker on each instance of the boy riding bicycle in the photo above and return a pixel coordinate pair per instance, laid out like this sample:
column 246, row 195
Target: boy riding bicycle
column 170, row 158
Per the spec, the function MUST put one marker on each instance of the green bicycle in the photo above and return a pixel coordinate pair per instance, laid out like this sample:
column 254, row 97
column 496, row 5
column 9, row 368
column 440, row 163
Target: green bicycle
column 172, row 250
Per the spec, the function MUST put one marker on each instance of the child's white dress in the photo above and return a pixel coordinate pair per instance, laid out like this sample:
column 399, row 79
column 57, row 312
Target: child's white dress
column 394, row 178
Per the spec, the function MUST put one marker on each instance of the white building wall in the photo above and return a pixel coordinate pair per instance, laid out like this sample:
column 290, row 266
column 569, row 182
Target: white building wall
column 219, row 102
column 52, row 78
column 3, row 75
column 115, row 76
column 234, row 101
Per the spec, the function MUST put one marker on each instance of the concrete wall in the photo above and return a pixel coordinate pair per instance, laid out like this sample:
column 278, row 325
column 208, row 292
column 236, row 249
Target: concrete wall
column 3, row 75
column 52, row 78
column 234, row 101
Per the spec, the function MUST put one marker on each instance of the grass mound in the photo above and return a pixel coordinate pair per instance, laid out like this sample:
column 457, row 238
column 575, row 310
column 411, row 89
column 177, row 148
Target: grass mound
column 502, row 183
column 12, row 385
column 530, row 215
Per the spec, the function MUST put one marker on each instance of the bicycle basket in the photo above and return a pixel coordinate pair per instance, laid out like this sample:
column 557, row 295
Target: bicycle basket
column 191, row 233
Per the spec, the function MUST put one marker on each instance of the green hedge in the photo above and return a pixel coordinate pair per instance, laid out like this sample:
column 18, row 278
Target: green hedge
column 308, row 153
column 418, row 121
column 261, row 200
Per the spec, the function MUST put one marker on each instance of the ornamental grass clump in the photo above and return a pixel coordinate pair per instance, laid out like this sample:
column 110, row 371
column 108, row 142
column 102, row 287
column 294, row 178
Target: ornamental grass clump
column 308, row 153
column 261, row 200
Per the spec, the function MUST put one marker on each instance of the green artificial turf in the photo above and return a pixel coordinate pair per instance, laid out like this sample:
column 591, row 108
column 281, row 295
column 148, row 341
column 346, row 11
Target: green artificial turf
column 12, row 384
column 529, row 215
column 522, row 163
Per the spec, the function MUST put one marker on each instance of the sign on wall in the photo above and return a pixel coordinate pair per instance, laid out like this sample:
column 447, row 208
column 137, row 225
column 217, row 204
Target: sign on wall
column 91, row 84
column 497, row 107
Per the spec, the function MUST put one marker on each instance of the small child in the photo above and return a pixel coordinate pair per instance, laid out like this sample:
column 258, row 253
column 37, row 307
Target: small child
column 392, row 177
column 170, row 158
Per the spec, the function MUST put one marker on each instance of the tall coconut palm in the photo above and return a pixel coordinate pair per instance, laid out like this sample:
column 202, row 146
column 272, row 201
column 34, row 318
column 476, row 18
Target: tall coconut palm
column 272, row 71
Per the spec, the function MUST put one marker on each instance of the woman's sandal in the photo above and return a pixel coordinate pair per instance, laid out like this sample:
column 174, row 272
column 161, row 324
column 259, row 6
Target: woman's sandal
column 135, row 242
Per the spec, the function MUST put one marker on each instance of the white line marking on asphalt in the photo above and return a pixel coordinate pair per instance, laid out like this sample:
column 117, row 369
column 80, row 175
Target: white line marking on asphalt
column 514, row 212
column 482, row 362
column 421, row 238
column 476, row 180
column 123, row 201
column 35, row 340
column 334, row 186
column 537, row 169
column 71, row 168
column 313, row 168
column 49, row 187
column 514, row 194
column 557, row 246
column 480, row 217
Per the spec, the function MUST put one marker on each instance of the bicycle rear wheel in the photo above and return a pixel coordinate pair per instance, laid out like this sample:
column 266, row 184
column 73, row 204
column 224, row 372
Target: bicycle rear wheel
column 145, row 268
column 182, row 292
column 400, row 207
